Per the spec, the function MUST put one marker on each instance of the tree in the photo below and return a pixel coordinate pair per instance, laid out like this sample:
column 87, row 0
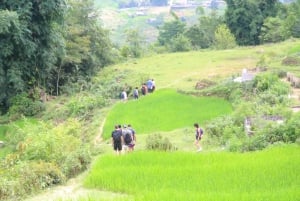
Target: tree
column 201, row 35
column 273, row 30
column 134, row 40
column 170, row 30
column 180, row 44
column 293, row 19
column 224, row 39
column 87, row 45
column 245, row 18
column 27, row 44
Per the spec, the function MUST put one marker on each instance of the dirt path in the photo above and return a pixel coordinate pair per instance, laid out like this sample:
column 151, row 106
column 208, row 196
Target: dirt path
column 73, row 191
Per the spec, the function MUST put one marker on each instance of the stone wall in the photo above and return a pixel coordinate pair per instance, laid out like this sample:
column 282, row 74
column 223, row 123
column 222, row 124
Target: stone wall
column 293, row 79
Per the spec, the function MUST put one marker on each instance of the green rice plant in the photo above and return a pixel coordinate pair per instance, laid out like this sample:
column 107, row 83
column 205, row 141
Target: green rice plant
column 272, row 174
column 164, row 110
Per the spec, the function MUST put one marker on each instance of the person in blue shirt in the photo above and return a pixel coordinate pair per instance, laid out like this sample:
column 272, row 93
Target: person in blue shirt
column 149, row 85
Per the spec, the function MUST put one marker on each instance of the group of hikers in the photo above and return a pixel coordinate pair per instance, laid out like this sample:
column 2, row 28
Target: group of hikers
column 147, row 87
column 123, row 138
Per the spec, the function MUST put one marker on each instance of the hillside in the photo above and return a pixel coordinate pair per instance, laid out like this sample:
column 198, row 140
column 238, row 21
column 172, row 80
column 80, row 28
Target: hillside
column 78, row 120
column 147, row 18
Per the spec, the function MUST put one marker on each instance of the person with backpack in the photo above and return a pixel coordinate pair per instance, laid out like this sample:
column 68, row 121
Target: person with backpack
column 149, row 84
column 117, row 140
column 123, row 95
column 198, row 135
column 136, row 93
column 132, row 144
column 144, row 89
column 127, row 136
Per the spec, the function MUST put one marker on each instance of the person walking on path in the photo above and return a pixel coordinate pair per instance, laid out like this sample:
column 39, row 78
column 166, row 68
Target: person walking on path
column 144, row 89
column 127, row 136
column 124, row 95
column 198, row 135
column 149, row 84
column 153, row 85
column 117, row 140
column 131, row 146
column 136, row 93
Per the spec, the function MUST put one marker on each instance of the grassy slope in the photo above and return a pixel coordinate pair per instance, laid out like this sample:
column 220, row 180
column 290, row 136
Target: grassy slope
column 183, row 70
column 211, row 176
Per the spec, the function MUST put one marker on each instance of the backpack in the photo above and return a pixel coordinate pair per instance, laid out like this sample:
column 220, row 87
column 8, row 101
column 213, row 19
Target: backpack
column 121, row 95
column 201, row 131
column 116, row 136
column 127, row 138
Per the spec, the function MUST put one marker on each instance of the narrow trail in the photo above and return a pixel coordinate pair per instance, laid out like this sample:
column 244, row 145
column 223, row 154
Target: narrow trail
column 98, row 138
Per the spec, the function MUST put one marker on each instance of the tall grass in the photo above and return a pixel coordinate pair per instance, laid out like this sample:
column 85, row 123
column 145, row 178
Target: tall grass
column 165, row 110
column 270, row 175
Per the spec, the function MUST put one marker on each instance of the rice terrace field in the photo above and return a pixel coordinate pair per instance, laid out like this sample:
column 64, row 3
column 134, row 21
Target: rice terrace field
column 270, row 175
column 165, row 110
column 184, row 175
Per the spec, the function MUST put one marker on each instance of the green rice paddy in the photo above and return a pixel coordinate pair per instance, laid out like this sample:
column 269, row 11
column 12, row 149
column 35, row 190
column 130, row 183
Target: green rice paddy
column 269, row 175
column 165, row 110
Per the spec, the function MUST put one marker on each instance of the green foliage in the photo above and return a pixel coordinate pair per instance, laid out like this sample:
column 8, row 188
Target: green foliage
column 180, row 44
column 135, row 43
column 202, row 34
column 224, row 38
column 157, row 142
column 263, row 82
column 55, row 153
column 215, row 129
column 28, row 177
column 87, row 46
column 245, row 18
column 272, row 30
column 82, row 105
column 22, row 104
column 29, row 43
column 169, row 31
column 292, row 21
column 197, row 37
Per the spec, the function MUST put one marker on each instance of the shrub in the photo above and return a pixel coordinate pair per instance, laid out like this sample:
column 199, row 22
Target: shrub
column 292, row 128
column 223, row 89
column 263, row 82
column 76, row 162
column 22, row 104
column 81, row 106
column 215, row 128
column 156, row 142
column 254, row 143
column 28, row 177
